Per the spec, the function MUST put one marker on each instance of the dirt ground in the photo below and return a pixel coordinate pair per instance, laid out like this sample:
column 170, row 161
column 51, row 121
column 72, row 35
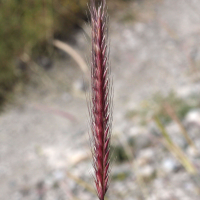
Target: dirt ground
column 44, row 146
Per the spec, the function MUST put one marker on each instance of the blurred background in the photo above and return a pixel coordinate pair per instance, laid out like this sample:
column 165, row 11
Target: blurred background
column 44, row 81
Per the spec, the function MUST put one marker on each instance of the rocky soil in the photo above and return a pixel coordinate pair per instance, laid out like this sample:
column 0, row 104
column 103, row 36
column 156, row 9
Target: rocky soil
column 44, row 143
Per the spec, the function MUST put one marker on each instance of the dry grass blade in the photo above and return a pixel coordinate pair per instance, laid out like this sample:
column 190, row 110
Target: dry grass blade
column 68, row 49
column 81, row 182
column 64, row 186
column 133, row 165
column 174, row 149
column 171, row 112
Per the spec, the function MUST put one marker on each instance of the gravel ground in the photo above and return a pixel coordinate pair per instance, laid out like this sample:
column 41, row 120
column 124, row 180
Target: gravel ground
column 44, row 148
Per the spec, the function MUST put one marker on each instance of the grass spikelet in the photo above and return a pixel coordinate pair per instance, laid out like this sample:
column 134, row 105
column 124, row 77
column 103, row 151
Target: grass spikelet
column 101, row 98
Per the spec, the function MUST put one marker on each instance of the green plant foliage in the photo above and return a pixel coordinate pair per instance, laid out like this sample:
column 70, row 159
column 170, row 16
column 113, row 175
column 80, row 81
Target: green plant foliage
column 25, row 25
column 128, row 17
column 156, row 107
column 181, row 106
column 120, row 176
column 119, row 154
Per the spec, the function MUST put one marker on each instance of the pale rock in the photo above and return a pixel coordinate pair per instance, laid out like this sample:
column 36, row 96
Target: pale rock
column 169, row 165
column 191, row 151
column 56, row 157
column 59, row 175
column 145, row 157
column 136, row 130
column 139, row 27
column 78, row 156
column 79, row 86
column 139, row 138
column 193, row 117
column 147, row 173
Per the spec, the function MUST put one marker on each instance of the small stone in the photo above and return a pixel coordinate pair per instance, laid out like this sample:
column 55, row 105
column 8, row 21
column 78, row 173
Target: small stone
column 59, row 175
column 139, row 27
column 180, row 141
column 147, row 173
column 191, row 151
column 169, row 165
column 78, row 157
column 45, row 62
column 143, row 141
column 145, row 157
column 139, row 138
column 193, row 117
column 25, row 191
column 153, row 129
column 135, row 131
column 190, row 187
column 79, row 85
